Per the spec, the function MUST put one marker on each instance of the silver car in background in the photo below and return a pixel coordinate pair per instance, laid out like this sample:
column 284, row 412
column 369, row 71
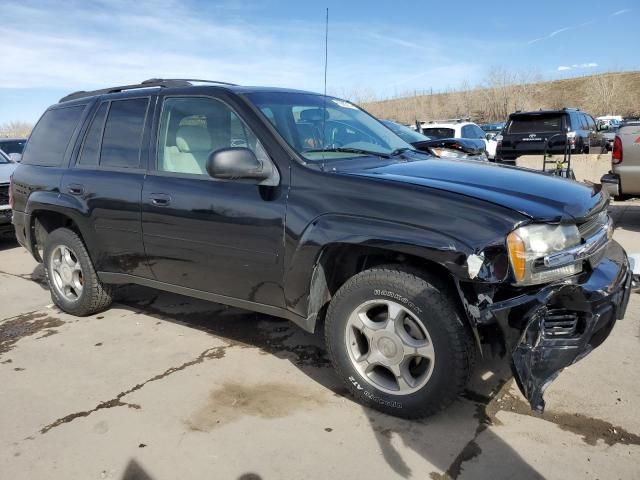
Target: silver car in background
column 6, row 169
column 624, row 178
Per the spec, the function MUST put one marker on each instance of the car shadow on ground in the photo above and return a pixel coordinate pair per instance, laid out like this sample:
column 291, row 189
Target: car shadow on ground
column 7, row 241
column 626, row 215
column 446, row 440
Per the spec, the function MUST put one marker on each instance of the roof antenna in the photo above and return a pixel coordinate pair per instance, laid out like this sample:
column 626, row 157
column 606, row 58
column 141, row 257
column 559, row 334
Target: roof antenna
column 324, row 108
column 326, row 50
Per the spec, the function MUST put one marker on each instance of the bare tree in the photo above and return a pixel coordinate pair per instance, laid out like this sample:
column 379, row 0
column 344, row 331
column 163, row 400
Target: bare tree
column 15, row 129
column 603, row 93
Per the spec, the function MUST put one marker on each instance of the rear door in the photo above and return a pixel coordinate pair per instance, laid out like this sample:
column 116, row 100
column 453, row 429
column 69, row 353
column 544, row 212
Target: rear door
column 218, row 236
column 105, row 182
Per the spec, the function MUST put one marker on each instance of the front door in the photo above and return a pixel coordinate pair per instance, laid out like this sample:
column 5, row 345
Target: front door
column 219, row 236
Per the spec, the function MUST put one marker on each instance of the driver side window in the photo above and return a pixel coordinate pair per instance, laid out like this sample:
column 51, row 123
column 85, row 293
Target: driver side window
column 193, row 127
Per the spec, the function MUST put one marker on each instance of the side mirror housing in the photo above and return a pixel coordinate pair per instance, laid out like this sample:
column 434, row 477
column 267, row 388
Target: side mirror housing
column 236, row 163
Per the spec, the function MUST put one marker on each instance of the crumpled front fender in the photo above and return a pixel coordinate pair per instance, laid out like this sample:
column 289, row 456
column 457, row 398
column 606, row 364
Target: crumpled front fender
column 551, row 328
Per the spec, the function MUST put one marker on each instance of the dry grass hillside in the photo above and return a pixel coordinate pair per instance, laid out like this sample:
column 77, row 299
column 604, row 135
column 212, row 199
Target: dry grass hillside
column 503, row 93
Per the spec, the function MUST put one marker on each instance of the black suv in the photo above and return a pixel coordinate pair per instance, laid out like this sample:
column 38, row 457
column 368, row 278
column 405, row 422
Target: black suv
column 529, row 133
column 305, row 207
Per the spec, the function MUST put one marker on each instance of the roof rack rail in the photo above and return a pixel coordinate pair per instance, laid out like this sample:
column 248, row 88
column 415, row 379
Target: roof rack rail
column 192, row 80
column 152, row 82
column 450, row 120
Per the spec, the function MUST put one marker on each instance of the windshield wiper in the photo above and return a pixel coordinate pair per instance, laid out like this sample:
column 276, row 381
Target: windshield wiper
column 349, row 150
column 400, row 151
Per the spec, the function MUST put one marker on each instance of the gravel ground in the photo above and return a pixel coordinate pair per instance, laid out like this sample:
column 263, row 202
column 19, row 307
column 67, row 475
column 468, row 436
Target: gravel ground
column 166, row 387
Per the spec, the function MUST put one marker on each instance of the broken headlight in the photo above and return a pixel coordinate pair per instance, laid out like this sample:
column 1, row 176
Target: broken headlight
column 447, row 153
column 529, row 245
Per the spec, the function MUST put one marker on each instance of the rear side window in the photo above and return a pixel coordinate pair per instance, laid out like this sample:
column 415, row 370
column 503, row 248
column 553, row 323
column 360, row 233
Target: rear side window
column 123, row 133
column 50, row 137
column 536, row 123
column 437, row 133
column 91, row 148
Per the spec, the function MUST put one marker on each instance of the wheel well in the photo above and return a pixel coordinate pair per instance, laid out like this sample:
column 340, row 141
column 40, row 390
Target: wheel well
column 339, row 262
column 43, row 223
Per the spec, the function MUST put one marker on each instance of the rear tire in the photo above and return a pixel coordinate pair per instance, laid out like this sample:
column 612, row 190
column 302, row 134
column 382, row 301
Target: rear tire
column 380, row 312
column 73, row 282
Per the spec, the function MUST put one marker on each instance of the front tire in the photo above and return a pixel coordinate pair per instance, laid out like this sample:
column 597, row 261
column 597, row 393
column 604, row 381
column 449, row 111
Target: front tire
column 397, row 340
column 73, row 282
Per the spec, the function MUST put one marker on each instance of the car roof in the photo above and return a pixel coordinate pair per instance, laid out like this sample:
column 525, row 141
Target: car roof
column 446, row 124
column 12, row 139
column 171, row 85
column 564, row 111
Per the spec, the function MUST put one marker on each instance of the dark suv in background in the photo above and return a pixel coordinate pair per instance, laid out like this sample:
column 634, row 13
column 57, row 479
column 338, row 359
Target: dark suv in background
column 305, row 207
column 529, row 133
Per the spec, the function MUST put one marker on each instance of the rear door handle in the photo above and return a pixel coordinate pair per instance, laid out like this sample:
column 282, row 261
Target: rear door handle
column 75, row 189
column 160, row 199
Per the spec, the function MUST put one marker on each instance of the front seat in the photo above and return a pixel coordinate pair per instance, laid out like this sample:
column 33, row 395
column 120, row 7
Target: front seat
column 193, row 145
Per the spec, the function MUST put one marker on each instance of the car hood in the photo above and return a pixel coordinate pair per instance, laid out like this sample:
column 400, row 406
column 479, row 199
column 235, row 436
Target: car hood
column 6, row 169
column 540, row 196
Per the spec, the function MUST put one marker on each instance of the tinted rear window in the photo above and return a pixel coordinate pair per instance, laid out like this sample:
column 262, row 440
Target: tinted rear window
column 50, row 137
column 439, row 132
column 123, row 133
column 536, row 123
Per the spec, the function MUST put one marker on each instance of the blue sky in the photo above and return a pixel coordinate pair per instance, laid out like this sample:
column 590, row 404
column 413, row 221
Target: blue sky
column 50, row 48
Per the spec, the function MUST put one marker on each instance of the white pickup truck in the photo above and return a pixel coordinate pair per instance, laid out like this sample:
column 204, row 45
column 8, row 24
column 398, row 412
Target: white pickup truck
column 624, row 178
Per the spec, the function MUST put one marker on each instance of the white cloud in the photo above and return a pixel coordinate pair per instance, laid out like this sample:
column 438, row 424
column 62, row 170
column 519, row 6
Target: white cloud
column 620, row 12
column 90, row 45
column 563, row 68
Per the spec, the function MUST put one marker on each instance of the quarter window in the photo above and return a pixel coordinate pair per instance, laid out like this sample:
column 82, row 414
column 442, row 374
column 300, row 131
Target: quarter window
column 123, row 133
column 193, row 127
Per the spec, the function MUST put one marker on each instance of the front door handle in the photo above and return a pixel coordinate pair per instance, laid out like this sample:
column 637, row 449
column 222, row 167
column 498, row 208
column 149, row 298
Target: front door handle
column 160, row 199
column 75, row 189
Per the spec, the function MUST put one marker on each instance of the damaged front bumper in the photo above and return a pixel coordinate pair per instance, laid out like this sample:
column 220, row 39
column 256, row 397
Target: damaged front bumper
column 551, row 328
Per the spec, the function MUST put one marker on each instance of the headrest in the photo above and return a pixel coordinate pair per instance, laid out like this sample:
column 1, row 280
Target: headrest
column 313, row 114
column 191, row 138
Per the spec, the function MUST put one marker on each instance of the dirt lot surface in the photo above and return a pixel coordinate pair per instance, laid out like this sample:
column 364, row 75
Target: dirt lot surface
column 165, row 387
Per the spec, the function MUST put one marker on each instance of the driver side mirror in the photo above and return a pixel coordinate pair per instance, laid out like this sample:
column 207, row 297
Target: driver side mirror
column 236, row 163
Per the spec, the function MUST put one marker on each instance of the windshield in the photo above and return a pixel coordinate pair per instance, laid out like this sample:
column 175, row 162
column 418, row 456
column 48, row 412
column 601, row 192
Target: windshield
column 324, row 128
column 405, row 133
column 4, row 158
column 439, row 132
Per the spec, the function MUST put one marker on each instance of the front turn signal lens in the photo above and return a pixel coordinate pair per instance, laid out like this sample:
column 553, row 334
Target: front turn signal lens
column 517, row 255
